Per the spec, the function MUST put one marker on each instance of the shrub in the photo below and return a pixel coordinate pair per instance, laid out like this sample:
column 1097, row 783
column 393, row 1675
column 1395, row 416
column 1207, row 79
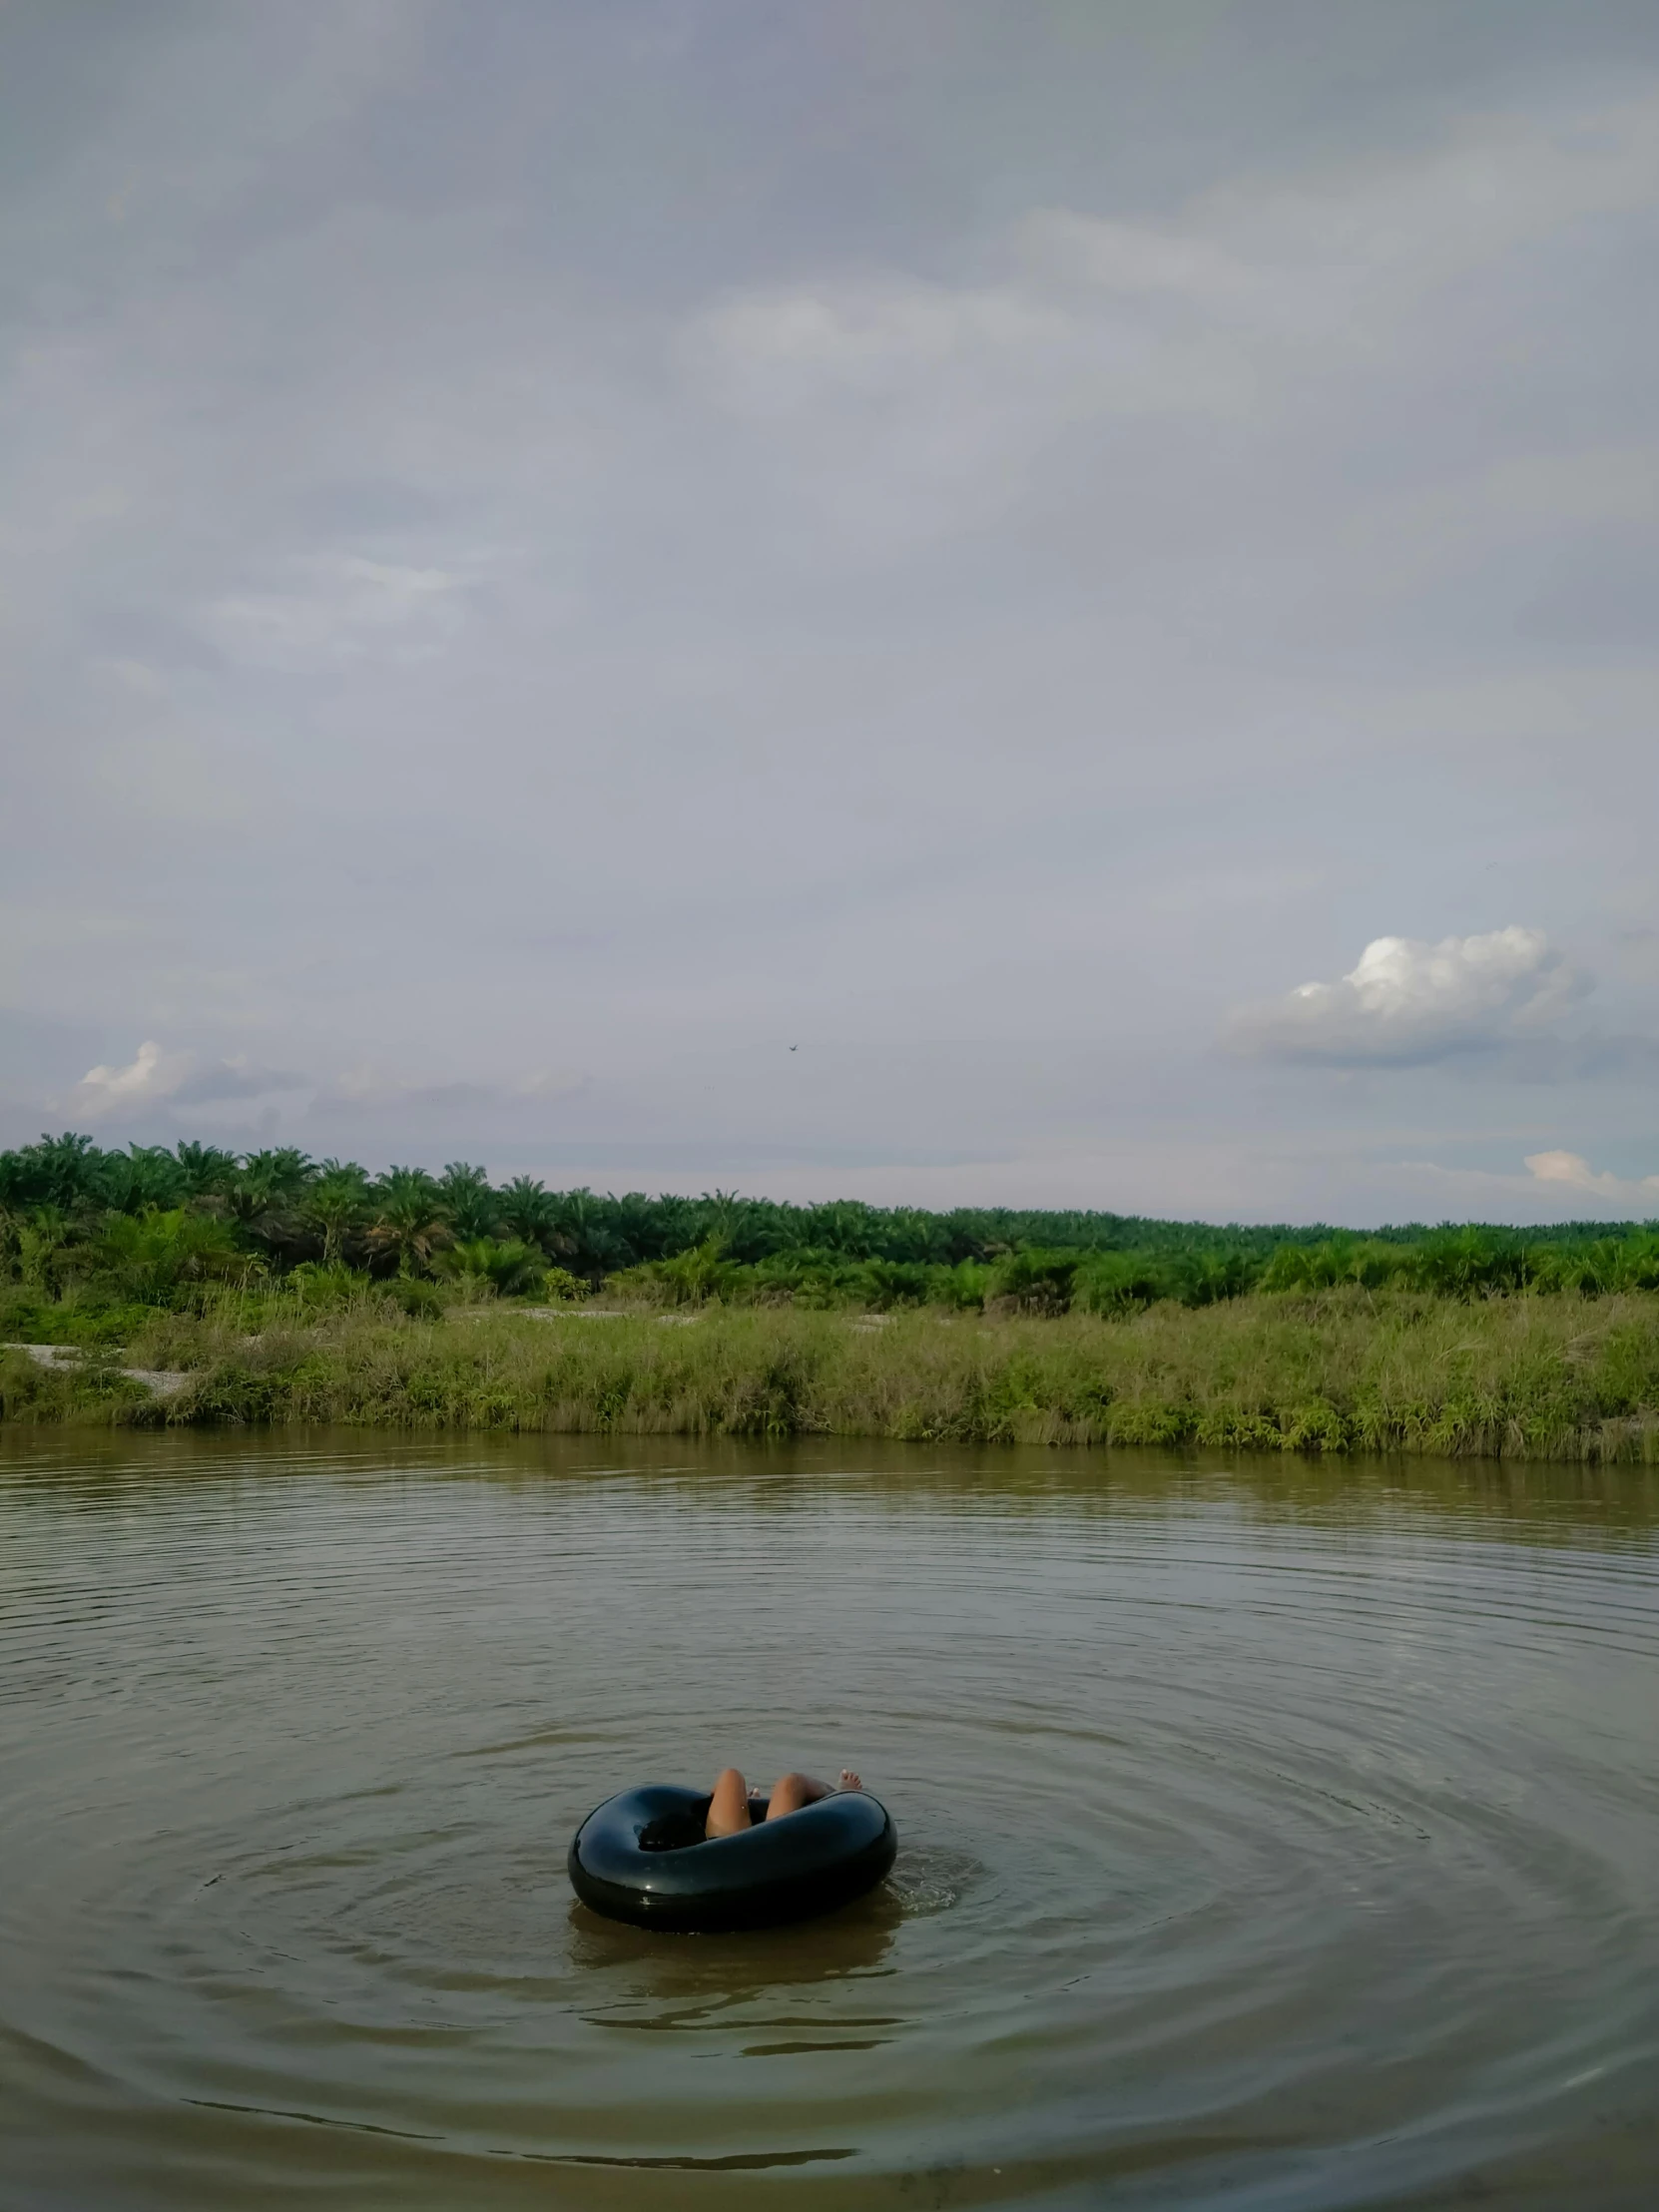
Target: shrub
column 323, row 1283
column 151, row 1255
column 1032, row 1280
column 810, row 1276
column 882, row 1284
column 1116, row 1283
column 688, row 1278
column 962, row 1288
column 493, row 1267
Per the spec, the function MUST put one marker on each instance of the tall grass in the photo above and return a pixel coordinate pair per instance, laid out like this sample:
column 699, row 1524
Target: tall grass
column 1335, row 1370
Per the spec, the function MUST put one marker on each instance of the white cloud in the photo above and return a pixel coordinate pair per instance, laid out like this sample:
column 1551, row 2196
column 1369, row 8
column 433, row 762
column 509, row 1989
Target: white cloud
column 1572, row 1169
column 151, row 1075
column 1557, row 1185
column 185, row 1088
column 1407, row 1003
column 154, row 1077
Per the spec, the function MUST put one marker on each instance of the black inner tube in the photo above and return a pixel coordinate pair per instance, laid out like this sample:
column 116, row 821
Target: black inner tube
column 643, row 1856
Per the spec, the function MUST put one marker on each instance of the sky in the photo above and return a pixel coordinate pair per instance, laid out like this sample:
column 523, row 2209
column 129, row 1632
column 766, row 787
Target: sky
column 1045, row 602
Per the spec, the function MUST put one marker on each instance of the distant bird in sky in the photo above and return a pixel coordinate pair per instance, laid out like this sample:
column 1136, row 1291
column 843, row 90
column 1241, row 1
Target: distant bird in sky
column 795, row 1048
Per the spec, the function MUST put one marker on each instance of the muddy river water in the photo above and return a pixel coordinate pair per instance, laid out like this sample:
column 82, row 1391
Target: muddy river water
column 1271, row 1837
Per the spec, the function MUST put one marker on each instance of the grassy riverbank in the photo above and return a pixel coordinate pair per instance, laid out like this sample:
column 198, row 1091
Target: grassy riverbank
column 1543, row 1377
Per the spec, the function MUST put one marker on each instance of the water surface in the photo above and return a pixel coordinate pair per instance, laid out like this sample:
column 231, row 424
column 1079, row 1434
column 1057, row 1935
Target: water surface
column 1271, row 1839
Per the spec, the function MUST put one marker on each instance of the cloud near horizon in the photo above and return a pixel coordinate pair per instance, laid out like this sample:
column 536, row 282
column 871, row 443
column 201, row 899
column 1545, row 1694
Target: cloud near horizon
column 1411, row 1003
column 1573, row 1170
column 154, row 1077
column 158, row 1082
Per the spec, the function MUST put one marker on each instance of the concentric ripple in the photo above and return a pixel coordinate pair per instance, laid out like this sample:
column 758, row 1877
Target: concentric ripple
column 1263, row 1843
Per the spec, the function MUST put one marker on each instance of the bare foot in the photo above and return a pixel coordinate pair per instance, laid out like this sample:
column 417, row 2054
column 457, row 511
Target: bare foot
column 849, row 1781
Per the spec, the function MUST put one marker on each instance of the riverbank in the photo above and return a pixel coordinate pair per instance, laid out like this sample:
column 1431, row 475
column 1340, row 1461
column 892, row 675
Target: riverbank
column 1543, row 1378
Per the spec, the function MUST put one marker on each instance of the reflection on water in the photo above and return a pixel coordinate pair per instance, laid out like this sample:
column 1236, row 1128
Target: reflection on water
column 1268, row 1836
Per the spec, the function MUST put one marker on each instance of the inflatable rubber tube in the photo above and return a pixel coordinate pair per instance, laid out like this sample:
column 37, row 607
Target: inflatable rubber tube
column 643, row 1856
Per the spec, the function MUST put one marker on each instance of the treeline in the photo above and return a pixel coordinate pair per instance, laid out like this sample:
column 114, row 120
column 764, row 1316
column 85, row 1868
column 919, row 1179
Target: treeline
column 149, row 1224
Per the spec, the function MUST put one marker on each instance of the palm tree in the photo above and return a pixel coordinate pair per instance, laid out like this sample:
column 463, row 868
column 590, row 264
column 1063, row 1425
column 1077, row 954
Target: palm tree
column 734, row 1221
column 205, row 1168
column 843, row 1225
column 141, row 1176
column 338, row 1203
column 529, row 1209
column 650, row 1227
column 582, row 1238
column 58, row 1171
column 469, row 1202
column 266, row 1189
column 408, row 1216
column 285, row 1171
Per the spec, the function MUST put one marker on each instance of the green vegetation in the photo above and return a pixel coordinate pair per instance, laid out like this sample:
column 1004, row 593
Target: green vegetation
column 151, row 1222
column 270, row 1287
column 1341, row 1371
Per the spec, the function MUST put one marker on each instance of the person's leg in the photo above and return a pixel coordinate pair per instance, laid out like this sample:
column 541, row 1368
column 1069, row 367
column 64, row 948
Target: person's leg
column 791, row 1791
column 728, row 1807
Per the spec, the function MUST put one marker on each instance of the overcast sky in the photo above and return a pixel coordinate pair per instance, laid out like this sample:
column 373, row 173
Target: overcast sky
column 1047, row 601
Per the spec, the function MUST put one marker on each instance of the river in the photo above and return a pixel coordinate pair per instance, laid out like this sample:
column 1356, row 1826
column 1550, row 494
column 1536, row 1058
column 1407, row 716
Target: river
column 1273, row 1837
